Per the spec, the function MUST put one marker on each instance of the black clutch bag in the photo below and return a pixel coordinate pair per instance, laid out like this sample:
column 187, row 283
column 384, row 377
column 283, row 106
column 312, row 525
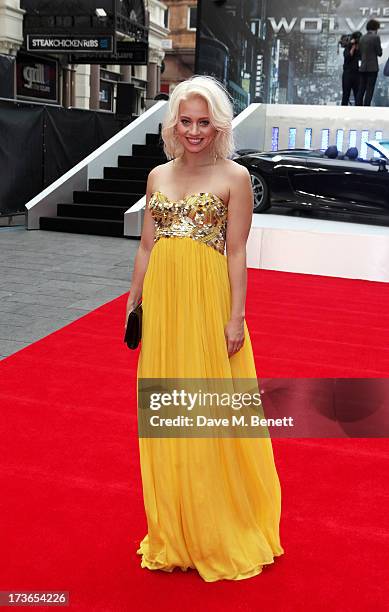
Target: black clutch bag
column 133, row 333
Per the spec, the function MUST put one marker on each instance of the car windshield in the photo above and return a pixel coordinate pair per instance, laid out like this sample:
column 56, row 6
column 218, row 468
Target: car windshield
column 380, row 146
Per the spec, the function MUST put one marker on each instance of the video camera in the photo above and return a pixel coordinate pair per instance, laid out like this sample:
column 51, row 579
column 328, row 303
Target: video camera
column 346, row 39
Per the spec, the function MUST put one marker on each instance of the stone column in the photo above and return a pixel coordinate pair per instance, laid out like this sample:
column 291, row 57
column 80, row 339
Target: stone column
column 69, row 86
column 125, row 71
column 151, row 80
column 153, row 72
column 82, row 86
column 94, row 87
column 66, row 87
column 73, row 86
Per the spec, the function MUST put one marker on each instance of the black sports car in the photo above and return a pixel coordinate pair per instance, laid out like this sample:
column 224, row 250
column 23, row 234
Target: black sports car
column 316, row 180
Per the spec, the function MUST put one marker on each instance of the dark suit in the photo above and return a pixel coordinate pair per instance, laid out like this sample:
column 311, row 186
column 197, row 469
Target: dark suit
column 350, row 77
column 370, row 50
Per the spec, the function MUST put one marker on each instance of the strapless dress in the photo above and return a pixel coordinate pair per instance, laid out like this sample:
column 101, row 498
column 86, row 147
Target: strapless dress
column 212, row 504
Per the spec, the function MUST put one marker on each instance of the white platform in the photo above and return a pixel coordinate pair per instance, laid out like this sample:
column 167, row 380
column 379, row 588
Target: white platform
column 313, row 246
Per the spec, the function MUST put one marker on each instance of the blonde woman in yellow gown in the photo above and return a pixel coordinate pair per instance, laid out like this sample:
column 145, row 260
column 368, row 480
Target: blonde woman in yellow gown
column 212, row 504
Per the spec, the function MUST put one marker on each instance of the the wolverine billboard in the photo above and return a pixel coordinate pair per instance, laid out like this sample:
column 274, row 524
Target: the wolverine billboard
column 284, row 51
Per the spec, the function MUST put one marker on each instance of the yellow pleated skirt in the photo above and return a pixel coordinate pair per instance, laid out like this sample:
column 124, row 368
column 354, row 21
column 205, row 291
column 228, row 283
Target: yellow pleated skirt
column 212, row 504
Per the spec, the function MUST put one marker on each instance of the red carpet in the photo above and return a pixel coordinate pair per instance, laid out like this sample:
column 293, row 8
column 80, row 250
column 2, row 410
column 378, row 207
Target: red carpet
column 71, row 506
column 304, row 325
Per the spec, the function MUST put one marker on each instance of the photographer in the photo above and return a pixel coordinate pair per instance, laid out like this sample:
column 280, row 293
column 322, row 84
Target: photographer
column 370, row 50
column 350, row 77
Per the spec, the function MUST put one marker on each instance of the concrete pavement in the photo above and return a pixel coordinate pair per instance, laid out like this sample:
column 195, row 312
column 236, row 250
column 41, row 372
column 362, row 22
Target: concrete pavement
column 48, row 279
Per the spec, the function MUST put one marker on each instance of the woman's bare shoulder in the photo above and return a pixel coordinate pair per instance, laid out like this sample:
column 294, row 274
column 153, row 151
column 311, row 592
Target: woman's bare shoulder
column 157, row 175
column 158, row 171
column 235, row 174
column 236, row 170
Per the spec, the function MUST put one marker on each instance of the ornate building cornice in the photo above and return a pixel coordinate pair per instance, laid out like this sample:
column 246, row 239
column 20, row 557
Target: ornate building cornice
column 11, row 26
column 9, row 47
column 156, row 56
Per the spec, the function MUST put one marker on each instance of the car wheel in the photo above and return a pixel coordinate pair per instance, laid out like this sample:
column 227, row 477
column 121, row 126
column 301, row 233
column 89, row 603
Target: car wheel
column 261, row 192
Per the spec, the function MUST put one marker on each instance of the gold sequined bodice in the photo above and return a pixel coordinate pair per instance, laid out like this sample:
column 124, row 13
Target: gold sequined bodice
column 201, row 216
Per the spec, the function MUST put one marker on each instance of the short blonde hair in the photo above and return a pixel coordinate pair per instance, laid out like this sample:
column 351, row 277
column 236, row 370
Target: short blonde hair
column 220, row 111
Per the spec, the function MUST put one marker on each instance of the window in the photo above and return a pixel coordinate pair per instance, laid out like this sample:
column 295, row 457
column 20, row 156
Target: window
column 325, row 139
column 377, row 136
column 339, row 139
column 106, row 96
column 292, row 138
column 364, row 139
column 192, row 17
column 166, row 18
column 352, row 139
column 307, row 138
column 274, row 138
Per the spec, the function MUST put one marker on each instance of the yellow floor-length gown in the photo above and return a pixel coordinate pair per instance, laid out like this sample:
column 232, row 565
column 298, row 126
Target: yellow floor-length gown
column 212, row 504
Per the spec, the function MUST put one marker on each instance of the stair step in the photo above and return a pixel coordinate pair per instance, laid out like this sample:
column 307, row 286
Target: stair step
column 153, row 139
column 79, row 225
column 107, row 198
column 100, row 209
column 119, row 185
column 130, row 174
column 147, row 150
column 140, row 161
column 91, row 211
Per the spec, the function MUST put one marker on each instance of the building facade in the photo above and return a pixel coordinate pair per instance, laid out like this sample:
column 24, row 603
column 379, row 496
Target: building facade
column 180, row 45
column 57, row 78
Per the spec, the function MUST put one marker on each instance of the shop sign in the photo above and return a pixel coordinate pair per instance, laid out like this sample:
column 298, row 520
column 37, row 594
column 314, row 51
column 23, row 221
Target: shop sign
column 66, row 44
column 37, row 78
column 128, row 53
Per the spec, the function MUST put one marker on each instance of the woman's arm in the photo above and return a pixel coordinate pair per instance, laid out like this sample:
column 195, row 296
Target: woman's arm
column 240, row 211
column 143, row 253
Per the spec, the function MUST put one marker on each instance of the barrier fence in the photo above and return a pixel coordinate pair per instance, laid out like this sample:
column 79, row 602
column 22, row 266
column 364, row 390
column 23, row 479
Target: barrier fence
column 39, row 143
